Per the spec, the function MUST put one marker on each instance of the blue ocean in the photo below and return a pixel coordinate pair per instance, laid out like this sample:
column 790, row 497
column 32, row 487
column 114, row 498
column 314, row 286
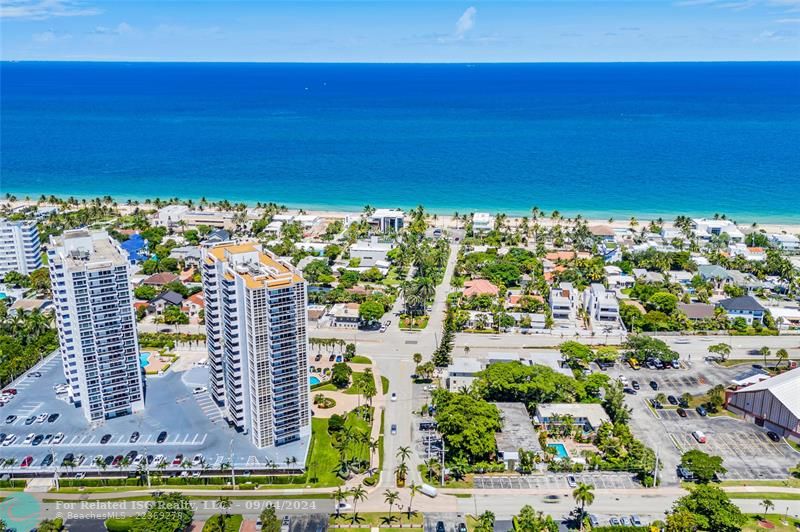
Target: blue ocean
column 597, row 139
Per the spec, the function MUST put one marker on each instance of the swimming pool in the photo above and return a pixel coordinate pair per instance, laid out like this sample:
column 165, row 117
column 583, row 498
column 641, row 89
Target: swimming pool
column 312, row 380
column 561, row 451
column 3, row 296
column 143, row 358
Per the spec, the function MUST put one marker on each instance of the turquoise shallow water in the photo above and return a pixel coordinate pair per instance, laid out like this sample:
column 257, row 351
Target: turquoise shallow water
column 600, row 139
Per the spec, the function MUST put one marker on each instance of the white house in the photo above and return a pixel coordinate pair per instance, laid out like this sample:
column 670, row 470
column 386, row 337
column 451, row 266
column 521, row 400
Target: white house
column 482, row 222
column 387, row 219
column 562, row 301
column 462, row 372
column 601, row 304
column 705, row 228
column 170, row 216
column 785, row 242
column 371, row 252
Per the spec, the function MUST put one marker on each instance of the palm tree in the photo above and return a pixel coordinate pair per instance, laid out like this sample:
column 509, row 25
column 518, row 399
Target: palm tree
column 403, row 453
column 401, row 471
column 765, row 352
column 413, row 490
column 768, row 505
column 224, row 503
column 584, row 496
column 339, row 495
column 358, row 494
column 782, row 355
column 390, row 497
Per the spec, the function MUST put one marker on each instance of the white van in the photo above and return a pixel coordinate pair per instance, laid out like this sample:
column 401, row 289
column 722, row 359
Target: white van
column 430, row 491
column 699, row 436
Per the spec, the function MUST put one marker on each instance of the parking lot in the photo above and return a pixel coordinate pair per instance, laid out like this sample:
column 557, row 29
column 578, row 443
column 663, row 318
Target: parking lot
column 451, row 521
column 746, row 450
column 193, row 423
column 557, row 481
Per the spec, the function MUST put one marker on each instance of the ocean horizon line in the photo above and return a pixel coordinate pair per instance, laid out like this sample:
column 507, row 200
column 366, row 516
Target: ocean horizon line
column 741, row 218
column 410, row 63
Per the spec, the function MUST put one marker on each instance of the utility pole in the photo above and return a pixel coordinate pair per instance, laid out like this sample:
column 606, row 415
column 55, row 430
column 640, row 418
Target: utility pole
column 655, row 472
column 146, row 468
column 55, row 468
column 233, row 475
column 442, row 481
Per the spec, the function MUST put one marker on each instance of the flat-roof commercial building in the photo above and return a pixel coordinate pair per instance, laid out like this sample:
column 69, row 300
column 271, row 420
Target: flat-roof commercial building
column 772, row 403
column 256, row 311
column 20, row 249
column 92, row 294
column 588, row 415
column 516, row 433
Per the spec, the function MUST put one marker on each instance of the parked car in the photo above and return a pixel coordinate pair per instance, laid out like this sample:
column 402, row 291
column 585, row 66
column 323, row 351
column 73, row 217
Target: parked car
column 656, row 404
column 676, row 364
column 162, row 437
column 635, row 385
column 48, row 439
column 52, row 418
column 48, row 460
column 440, row 527
column 138, row 460
column 178, row 460
column 683, row 403
column 702, row 411
column 9, row 440
column 700, row 436
column 197, row 460
column 131, row 455
column 69, row 459
column 108, row 460
column 394, row 429
column 624, row 521
column 158, row 460
column 41, row 417
column 681, row 412
column 105, row 439
column 11, row 419
column 10, row 391
column 199, row 389
column 117, row 460
column 342, row 506
column 27, row 461
column 672, row 400
column 462, row 527
column 593, row 520
column 79, row 460
column 654, row 385
column 571, row 482
column 773, row 436
column 685, row 474
column 29, row 420
column 635, row 520
column 630, row 391
column 394, row 396
column 134, row 438
column 614, row 521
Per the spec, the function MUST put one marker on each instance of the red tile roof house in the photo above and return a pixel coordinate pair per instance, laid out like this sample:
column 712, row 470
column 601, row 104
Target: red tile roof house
column 194, row 304
column 160, row 279
column 477, row 287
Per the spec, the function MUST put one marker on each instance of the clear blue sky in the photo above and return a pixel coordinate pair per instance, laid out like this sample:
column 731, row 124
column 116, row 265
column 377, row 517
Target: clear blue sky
column 404, row 31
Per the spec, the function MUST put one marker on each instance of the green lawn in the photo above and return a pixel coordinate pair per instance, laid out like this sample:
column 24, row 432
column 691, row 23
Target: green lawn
column 232, row 523
column 385, row 384
column 352, row 390
column 376, row 518
column 358, row 359
column 322, row 457
column 787, row 483
column 120, row 525
column 772, row 495
column 752, row 523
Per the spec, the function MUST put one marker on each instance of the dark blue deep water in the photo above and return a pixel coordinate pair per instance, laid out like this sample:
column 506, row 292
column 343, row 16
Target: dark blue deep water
column 601, row 139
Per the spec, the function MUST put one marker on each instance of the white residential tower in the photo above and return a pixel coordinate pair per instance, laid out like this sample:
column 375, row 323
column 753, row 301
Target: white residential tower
column 19, row 247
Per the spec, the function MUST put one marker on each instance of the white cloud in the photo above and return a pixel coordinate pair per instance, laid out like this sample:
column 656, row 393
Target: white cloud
column 123, row 28
column 465, row 22
column 49, row 36
column 44, row 9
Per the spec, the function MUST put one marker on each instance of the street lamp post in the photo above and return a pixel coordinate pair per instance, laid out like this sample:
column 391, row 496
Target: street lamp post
column 233, row 475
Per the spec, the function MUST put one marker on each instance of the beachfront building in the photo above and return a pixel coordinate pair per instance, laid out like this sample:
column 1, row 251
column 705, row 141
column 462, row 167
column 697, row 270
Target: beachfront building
column 387, row 220
column 482, row 222
column 706, row 228
column 789, row 243
column 170, row 216
column 257, row 342
column 20, row 250
column 90, row 276
column 217, row 219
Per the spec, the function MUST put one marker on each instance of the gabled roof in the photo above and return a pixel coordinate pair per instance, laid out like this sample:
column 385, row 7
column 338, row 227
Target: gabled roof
column 173, row 298
column 785, row 387
column 742, row 303
column 160, row 279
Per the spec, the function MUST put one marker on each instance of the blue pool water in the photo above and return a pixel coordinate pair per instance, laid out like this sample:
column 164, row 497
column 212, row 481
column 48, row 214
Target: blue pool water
column 143, row 358
column 561, row 451
column 312, row 380
column 2, row 296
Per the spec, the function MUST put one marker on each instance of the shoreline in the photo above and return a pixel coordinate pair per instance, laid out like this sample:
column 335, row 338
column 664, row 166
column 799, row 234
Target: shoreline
column 789, row 223
column 446, row 216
